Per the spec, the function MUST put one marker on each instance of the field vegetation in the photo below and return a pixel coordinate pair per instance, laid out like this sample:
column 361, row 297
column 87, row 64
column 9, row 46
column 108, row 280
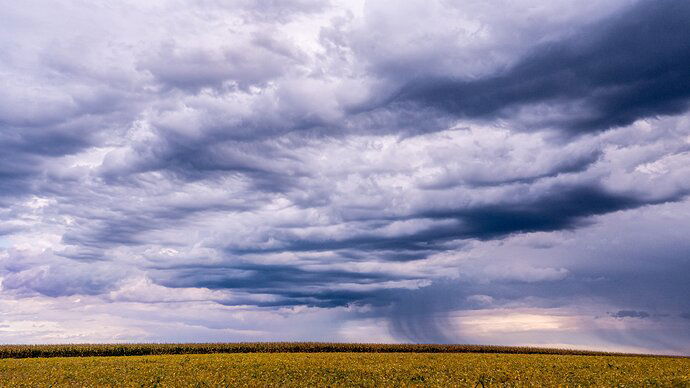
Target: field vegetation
column 88, row 350
column 347, row 369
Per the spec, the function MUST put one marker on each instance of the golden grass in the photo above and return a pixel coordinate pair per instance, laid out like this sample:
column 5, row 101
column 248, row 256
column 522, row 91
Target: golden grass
column 348, row 369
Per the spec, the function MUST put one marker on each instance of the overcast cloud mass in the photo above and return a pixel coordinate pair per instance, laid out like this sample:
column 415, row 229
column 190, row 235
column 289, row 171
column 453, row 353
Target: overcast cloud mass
column 505, row 172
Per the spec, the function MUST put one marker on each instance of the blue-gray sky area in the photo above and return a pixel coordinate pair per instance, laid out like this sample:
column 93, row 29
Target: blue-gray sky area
column 495, row 172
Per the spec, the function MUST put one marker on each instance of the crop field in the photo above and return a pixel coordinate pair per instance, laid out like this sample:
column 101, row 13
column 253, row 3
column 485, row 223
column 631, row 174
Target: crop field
column 87, row 350
column 321, row 364
column 347, row 369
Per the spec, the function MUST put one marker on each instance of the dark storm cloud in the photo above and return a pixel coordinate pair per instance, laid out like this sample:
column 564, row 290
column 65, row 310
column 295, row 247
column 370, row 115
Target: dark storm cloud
column 559, row 208
column 98, row 231
column 632, row 66
column 292, row 284
column 26, row 152
column 56, row 281
column 16, row 171
column 421, row 316
column 578, row 163
column 267, row 166
column 643, row 276
column 55, row 276
column 556, row 209
column 562, row 208
column 426, row 315
column 630, row 314
column 47, row 121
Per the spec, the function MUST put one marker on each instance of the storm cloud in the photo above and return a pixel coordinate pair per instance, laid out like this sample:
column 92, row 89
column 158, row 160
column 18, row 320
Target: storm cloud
column 628, row 67
column 511, row 174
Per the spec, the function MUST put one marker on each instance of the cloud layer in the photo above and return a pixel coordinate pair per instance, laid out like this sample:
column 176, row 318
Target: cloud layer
column 346, row 171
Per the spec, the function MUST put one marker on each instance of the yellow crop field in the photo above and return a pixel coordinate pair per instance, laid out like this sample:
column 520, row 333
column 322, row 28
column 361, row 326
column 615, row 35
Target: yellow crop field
column 346, row 369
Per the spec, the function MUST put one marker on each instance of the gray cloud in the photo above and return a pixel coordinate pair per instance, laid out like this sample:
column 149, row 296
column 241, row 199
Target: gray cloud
column 390, row 170
column 261, row 60
column 630, row 314
column 610, row 74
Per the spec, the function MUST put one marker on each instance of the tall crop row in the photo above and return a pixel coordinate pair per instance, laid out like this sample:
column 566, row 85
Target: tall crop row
column 85, row 350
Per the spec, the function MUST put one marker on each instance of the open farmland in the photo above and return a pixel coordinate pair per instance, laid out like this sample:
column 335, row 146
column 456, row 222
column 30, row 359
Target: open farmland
column 147, row 349
column 347, row 368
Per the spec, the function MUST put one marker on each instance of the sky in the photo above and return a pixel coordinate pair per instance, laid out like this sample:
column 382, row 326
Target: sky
column 426, row 171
